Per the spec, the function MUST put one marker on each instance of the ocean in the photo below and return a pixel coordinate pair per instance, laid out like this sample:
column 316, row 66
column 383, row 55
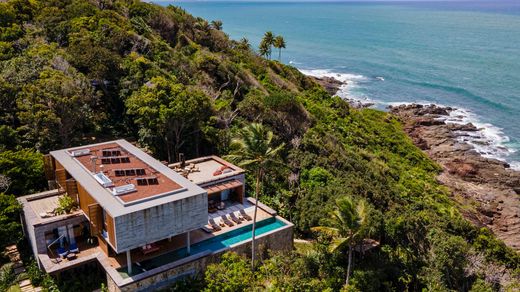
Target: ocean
column 460, row 54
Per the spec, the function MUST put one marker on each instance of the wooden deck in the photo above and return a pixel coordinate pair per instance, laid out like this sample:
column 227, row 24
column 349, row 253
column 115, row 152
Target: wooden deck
column 53, row 263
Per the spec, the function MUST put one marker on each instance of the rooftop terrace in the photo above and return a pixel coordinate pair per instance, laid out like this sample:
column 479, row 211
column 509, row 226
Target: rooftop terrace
column 206, row 169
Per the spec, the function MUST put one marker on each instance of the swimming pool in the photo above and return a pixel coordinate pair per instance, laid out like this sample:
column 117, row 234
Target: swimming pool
column 215, row 243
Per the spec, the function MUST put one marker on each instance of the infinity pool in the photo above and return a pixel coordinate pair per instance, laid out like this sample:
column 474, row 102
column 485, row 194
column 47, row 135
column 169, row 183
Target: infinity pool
column 215, row 243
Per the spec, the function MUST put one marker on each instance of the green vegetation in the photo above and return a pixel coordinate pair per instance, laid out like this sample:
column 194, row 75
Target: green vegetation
column 253, row 151
column 347, row 227
column 66, row 205
column 73, row 72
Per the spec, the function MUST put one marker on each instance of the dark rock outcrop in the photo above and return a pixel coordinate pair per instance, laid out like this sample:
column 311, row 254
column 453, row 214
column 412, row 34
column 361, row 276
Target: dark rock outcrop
column 488, row 184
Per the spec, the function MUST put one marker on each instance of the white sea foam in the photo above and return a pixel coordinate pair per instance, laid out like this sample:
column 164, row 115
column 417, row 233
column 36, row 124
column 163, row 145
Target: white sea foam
column 489, row 141
column 347, row 90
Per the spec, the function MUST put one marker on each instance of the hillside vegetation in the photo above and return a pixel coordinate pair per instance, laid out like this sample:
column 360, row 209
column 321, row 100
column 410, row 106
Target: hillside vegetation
column 74, row 72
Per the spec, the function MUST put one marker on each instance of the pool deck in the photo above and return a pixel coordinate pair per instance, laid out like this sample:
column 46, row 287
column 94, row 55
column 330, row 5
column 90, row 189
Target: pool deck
column 179, row 241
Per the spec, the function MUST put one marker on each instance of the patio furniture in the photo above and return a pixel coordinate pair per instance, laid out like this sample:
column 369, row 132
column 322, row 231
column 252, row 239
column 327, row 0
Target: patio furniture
column 74, row 248
column 207, row 228
column 244, row 214
column 62, row 252
column 214, row 225
column 234, row 218
column 149, row 248
column 221, row 206
column 226, row 221
column 239, row 216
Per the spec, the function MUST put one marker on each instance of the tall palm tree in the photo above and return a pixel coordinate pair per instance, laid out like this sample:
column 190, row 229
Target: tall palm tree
column 279, row 43
column 268, row 39
column 252, row 150
column 346, row 224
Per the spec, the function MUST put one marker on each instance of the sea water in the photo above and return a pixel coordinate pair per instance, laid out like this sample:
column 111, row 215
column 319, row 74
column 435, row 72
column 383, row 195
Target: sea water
column 461, row 54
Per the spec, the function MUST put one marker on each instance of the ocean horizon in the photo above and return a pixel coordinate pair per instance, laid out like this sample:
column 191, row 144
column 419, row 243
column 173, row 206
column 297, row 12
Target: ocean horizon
column 460, row 54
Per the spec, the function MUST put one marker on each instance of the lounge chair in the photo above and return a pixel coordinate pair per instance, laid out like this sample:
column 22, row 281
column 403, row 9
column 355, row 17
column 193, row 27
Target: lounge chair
column 244, row 214
column 74, row 248
column 226, row 221
column 214, row 225
column 62, row 252
column 207, row 228
column 234, row 218
column 239, row 216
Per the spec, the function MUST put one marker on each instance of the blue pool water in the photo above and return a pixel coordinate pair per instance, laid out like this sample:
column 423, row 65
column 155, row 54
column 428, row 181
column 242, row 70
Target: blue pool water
column 464, row 54
column 213, row 244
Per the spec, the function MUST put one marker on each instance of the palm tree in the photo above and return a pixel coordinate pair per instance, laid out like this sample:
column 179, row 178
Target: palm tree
column 268, row 39
column 216, row 24
column 253, row 151
column 280, row 44
column 346, row 224
column 244, row 43
column 264, row 49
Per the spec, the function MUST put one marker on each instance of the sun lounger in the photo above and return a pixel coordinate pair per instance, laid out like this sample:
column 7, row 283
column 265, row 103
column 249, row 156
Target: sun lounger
column 207, row 228
column 226, row 221
column 234, row 218
column 214, row 225
column 239, row 216
column 244, row 214
column 74, row 248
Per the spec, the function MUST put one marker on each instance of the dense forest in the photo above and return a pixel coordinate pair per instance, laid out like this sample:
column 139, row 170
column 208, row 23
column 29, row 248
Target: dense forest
column 74, row 72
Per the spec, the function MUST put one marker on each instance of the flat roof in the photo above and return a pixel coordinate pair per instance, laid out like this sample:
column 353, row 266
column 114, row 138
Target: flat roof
column 123, row 168
column 122, row 178
column 204, row 170
column 39, row 208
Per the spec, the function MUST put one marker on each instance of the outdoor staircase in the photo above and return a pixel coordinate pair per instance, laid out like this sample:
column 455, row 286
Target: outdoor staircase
column 14, row 256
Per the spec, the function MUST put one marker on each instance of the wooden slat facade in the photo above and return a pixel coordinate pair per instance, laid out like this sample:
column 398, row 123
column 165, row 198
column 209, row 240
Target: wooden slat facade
column 95, row 213
column 61, row 177
column 71, row 187
column 109, row 222
column 85, row 200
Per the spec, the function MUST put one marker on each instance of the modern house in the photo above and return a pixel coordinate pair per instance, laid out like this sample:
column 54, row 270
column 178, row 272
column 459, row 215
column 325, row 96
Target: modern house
column 146, row 223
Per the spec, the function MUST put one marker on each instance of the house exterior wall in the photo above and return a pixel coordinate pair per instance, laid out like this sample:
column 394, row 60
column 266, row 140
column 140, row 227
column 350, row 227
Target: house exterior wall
column 136, row 229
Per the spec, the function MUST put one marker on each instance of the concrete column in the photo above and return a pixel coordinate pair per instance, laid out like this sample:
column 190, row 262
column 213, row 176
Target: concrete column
column 129, row 262
column 188, row 247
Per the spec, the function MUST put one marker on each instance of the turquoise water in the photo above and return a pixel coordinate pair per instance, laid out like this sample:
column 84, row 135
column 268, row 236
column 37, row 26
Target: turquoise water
column 213, row 244
column 463, row 54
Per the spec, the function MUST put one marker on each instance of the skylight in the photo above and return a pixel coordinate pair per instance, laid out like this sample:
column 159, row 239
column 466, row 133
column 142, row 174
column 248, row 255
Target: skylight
column 121, row 190
column 104, row 180
column 81, row 152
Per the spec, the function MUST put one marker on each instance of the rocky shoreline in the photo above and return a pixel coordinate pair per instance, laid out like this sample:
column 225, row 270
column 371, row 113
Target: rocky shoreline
column 487, row 188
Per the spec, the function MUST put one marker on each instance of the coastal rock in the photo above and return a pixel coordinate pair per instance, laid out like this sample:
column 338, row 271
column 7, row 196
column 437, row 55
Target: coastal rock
column 489, row 184
column 330, row 84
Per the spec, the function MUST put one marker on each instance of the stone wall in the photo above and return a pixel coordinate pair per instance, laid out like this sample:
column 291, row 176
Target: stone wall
column 277, row 240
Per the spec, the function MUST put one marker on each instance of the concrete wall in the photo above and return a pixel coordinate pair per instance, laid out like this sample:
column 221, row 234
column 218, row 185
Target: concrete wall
column 277, row 240
column 157, row 223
